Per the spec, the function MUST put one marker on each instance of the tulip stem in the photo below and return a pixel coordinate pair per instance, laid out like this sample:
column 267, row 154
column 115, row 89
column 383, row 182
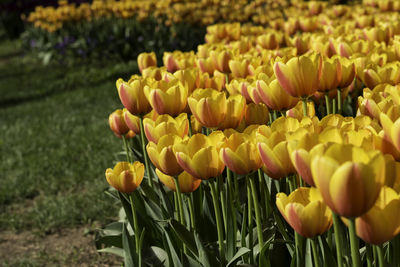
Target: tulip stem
column 327, row 104
column 379, row 251
column 264, row 195
column 370, row 257
column 250, row 220
column 127, row 150
column 231, row 201
column 333, row 106
column 257, row 212
column 146, row 159
column 180, row 205
column 222, row 198
column 339, row 100
column 314, row 248
column 304, row 104
column 338, row 239
column 217, row 211
column 299, row 249
column 136, row 229
column 355, row 253
column 190, row 124
column 191, row 210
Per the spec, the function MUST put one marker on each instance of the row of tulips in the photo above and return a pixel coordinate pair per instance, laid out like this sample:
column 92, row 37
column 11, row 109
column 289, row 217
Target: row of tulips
column 248, row 153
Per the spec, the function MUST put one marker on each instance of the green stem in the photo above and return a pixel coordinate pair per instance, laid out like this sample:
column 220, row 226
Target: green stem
column 250, row 220
column 190, row 125
column 192, row 214
column 127, row 150
column 338, row 239
column 236, row 184
column 299, row 250
column 136, row 230
column 304, row 104
column 180, row 206
column 257, row 212
column 333, row 106
column 355, row 253
column 339, row 100
column 370, row 257
column 314, row 247
column 327, row 104
column 231, row 201
column 222, row 198
column 379, row 251
column 146, row 159
column 264, row 195
column 275, row 115
column 217, row 211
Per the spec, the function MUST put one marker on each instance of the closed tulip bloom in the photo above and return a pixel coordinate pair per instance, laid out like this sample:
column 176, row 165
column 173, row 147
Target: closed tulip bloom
column 305, row 211
column 146, row 60
column 221, row 60
column 349, row 178
column 162, row 155
column 154, row 72
column 199, row 155
column 132, row 121
column 272, row 95
column 167, row 97
column 235, row 109
column 274, row 154
column 348, row 72
column 300, row 76
column 187, row 183
column 125, row 177
column 256, row 114
column 165, row 124
column 117, row 123
column 331, row 74
column 132, row 96
column 239, row 68
column 240, row 154
column 208, row 106
column 188, row 77
column 382, row 222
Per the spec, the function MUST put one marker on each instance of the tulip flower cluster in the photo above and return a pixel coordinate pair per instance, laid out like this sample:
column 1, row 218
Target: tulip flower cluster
column 256, row 137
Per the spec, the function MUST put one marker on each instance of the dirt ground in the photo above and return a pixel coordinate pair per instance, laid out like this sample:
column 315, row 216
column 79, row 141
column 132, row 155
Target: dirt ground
column 67, row 247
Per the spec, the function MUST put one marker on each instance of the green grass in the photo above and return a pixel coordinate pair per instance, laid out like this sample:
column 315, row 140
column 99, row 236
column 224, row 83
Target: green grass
column 55, row 142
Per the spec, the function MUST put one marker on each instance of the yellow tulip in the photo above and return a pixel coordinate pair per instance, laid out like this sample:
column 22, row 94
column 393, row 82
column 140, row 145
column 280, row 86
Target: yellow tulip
column 235, row 110
column 349, row 178
column 167, row 97
column 165, row 124
column 208, row 106
column 240, row 154
column 331, row 74
column 256, row 114
column 199, row 155
column 300, row 76
column 162, row 155
column 221, row 60
column 132, row 96
column 382, row 222
column 132, row 121
column 117, row 123
column 146, row 60
column 187, row 183
column 125, row 177
column 305, row 211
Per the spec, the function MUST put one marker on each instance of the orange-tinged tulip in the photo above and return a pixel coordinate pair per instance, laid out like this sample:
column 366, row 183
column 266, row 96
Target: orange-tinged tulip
column 188, row 78
column 349, row 178
column 239, row 68
column 165, row 124
column 208, row 106
column 125, row 177
column 300, row 76
column 162, row 155
column 272, row 95
column 235, row 109
column 221, row 60
column 331, row 74
column 199, row 155
column 132, row 96
column 117, row 123
column 274, row 154
column 154, row 72
column 298, row 113
column 146, row 60
column 132, row 121
column 240, row 154
column 382, row 222
column 167, row 97
column 348, row 72
column 392, row 129
column 187, row 183
column 305, row 211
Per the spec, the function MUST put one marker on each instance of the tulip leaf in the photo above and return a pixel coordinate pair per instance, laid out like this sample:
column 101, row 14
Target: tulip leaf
column 206, row 258
column 329, row 258
column 175, row 259
column 128, row 246
column 262, row 258
column 185, row 236
column 155, row 256
column 241, row 252
column 113, row 250
column 127, row 207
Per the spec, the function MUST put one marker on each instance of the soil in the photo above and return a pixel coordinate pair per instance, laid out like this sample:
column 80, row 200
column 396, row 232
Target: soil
column 66, row 247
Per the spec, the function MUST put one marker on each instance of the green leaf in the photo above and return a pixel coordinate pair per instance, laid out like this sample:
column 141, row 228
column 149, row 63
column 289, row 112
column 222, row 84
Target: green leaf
column 113, row 250
column 185, row 236
column 175, row 259
column 129, row 248
column 155, row 256
column 329, row 258
column 240, row 253
column 262, row 259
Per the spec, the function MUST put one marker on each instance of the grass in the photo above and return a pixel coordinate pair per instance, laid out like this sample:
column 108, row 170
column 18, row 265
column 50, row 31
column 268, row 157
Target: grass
column 55, row 142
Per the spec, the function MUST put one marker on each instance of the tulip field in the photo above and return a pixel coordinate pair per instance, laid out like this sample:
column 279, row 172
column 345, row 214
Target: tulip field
column 244, row 133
